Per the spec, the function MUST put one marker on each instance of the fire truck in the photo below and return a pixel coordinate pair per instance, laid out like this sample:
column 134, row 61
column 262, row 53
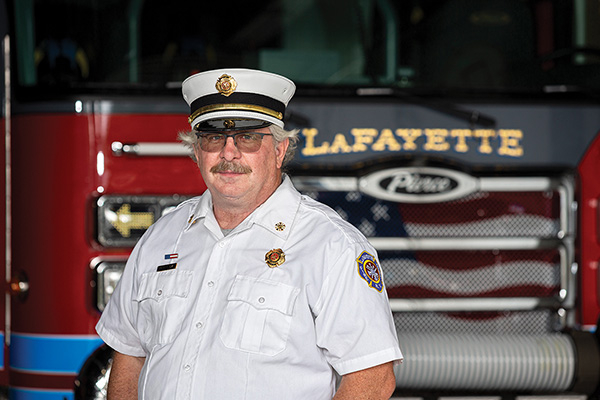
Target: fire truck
column 460, row 136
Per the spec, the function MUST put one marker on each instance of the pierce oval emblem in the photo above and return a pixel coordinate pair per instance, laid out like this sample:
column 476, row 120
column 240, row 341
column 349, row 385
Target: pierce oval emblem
column 418, row 185
column 226, row 85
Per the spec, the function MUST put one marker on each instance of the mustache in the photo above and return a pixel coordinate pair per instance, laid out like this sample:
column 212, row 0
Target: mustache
column 228, row 166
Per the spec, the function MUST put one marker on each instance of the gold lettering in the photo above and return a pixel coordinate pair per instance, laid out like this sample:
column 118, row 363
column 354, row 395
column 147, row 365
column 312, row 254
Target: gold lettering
column 436, row 140
column 461, row 141
column 309, row 148
column 409, row 136
column 485, row 135
column 340, row 144
column 510, row 142
column 386, row 139
column 362, row 137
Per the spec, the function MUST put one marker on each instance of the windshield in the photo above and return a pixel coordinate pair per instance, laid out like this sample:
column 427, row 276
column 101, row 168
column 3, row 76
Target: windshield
column 453, row 46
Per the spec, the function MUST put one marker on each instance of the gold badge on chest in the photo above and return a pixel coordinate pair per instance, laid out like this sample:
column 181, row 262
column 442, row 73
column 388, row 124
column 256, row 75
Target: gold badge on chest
column 274, row 258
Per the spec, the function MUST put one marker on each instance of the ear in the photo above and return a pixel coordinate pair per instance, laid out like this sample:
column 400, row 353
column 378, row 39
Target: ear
column 197, row 153
column 280, row 151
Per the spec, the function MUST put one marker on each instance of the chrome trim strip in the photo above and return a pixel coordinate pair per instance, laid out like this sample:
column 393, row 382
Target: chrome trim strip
column 568, row 207
column 470, row 304
column 148, row 149
column 568, row 274
column 7, row 187
column 329, row 183
column 491, row 184
column 513, row 243
column 517, row 184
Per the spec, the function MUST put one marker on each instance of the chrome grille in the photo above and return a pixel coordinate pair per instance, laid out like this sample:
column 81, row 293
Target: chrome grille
column 496, row 261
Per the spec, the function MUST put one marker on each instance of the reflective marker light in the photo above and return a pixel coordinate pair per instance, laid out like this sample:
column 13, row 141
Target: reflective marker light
column 108, row 274
column 122, row 220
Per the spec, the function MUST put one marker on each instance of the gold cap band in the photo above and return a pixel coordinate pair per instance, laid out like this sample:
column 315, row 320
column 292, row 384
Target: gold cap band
column 240, row 107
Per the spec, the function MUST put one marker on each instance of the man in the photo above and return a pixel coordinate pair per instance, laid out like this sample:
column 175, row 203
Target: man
column 250, row 291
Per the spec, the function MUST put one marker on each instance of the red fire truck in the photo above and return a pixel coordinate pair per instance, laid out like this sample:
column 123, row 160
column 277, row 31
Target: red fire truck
column 460, row 136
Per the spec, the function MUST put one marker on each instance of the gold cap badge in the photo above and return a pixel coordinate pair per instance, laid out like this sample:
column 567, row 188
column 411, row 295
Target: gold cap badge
column 275, row 258
column 226, row 85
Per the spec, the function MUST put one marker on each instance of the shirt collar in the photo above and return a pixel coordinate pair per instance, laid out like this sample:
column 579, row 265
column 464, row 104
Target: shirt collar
column 201, row 210
column 276, row 214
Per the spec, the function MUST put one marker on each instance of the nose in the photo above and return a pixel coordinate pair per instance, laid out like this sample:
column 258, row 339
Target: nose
column 230, row 150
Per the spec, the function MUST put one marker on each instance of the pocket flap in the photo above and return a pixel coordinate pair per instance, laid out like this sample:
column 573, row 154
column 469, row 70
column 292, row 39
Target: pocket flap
column 165, row 284
column 264, row 294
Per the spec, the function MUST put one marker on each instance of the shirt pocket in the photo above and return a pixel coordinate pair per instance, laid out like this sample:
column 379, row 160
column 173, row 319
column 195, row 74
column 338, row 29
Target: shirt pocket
column 162, row 304
column 258, row 315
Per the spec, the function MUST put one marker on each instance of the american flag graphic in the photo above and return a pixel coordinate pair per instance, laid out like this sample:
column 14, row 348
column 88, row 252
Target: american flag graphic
column 461, row 273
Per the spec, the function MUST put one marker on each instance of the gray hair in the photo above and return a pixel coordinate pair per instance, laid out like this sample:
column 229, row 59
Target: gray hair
column 190, row 139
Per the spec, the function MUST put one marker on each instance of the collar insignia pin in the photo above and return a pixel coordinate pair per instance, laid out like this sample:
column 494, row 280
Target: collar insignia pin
column 280, row 226
column 275, row 258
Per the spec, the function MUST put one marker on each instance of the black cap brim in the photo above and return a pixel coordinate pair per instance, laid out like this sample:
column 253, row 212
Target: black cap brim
column 230, row 124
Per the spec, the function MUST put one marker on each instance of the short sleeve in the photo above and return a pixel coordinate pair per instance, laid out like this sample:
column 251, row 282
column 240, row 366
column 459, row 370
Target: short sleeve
column 354, row 322
column 117, row 323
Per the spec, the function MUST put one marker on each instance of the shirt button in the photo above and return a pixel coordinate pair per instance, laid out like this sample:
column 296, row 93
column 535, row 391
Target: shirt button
column 198, row 325
column 159, row 292
column 261, row 300
column 187, row 367
column 221, row 244
column 211, row 284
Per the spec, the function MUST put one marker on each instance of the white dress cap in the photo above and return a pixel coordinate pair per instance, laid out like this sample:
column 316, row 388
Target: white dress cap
column 236, row 99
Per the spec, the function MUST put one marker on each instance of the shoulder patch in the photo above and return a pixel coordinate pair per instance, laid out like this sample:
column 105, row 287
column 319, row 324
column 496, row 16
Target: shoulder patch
column 369, row 270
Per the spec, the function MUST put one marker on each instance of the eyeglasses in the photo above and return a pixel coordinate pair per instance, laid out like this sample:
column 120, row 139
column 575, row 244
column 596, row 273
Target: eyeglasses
column 246, row 142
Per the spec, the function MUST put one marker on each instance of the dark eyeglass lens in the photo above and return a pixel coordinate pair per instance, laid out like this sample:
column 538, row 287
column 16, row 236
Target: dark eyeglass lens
column 245, row 142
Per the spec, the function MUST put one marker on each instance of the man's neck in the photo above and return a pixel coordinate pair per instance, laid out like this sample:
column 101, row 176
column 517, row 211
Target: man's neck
column 229, row 218
column 230, row 212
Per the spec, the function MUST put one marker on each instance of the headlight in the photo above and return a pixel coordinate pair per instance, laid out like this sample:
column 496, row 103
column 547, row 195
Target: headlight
column 108, row 274
column 122, row 220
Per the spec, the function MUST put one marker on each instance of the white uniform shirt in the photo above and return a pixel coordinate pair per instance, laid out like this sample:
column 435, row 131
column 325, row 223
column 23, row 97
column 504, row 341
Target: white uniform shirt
column 222, row 324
